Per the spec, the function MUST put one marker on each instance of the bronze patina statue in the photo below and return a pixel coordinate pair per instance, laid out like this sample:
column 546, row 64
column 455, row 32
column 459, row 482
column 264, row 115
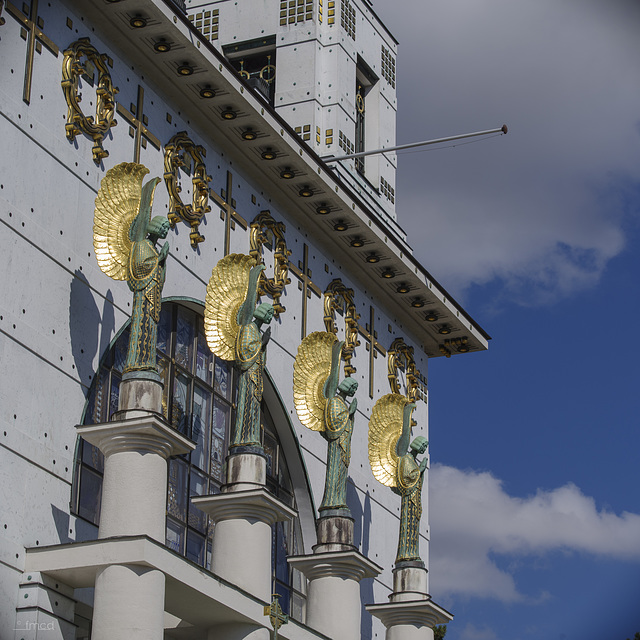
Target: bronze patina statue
column 321, row 404
column 124, row 238
column 394, row 463
column 232, row 327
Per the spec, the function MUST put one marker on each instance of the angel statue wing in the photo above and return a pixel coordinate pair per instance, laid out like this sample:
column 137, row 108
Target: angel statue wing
column 226, row 294
column 315, row 370
column 117, row 207
column 389, row 426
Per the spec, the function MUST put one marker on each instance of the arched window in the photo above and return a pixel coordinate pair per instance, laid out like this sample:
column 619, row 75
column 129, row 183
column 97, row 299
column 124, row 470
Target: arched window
column 199, row 401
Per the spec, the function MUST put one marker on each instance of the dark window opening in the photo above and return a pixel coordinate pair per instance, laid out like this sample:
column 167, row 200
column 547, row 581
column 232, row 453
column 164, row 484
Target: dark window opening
column 255, row 61
column 365, row 80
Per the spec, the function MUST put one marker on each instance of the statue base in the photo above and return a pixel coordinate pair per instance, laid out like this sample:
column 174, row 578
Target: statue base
column 409, row 582
column 334, row 530
column 140, row 395
column 246, row 469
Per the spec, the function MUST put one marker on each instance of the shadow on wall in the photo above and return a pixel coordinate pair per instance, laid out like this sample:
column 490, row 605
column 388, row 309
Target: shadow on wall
column 90, row 331
column 61, row 522
column 361, row 513
column 65, row 525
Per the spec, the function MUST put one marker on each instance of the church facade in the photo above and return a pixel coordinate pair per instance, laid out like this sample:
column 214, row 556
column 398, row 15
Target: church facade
column 122, row 525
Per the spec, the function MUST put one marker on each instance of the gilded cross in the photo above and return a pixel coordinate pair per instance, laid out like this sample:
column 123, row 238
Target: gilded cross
column 303, row 273
column 228, row 211
column 369, row 333
column 138, row 122
column 276, row 616
column 31, row 31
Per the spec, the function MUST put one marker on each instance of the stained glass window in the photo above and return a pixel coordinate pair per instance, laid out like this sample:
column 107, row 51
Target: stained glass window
column 198, row 401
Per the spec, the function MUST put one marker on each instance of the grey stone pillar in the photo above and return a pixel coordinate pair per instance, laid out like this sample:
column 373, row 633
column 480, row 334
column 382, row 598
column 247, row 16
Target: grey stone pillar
column 129, row 599
column 410, row 613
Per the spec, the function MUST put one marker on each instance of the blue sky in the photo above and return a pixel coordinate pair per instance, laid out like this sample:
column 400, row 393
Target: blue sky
column 535, row 507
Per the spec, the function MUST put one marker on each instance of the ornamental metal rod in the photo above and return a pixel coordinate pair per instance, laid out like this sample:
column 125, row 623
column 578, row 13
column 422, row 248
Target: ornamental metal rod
column 411, row 145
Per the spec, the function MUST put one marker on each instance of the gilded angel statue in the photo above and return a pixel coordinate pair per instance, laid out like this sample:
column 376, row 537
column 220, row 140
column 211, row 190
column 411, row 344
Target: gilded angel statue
column 394, row 463
column 124, row 239
column 232, row 327
column 321, row 404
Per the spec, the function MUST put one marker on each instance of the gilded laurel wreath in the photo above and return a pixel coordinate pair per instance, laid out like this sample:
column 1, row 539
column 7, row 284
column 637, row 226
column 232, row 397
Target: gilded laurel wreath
column 385, row 429
column 311, row 369
column 117, row 206
column 226, row 292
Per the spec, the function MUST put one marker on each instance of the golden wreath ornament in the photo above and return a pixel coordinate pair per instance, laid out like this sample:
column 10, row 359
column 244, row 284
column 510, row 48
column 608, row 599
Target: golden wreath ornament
column 265, row 230
column 182, row 152
column 338, row 297
column 400, row 358
column 96, row 127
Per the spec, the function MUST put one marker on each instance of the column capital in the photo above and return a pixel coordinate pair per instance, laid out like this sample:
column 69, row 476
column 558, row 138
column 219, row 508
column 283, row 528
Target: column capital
column 256, row 504
column 148, row 434
column 348, row 565
column 425, row 613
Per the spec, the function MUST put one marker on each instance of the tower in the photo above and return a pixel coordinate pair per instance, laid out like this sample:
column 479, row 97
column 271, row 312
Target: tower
column 328, row 68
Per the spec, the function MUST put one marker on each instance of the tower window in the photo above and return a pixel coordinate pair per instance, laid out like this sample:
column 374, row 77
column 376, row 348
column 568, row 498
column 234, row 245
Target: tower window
column 360, row 123
column 348, row 18
column 365, row 80
column 388, row 67
column 297, row 11
column 207, row 23
column 255, row 61
column 387, row 190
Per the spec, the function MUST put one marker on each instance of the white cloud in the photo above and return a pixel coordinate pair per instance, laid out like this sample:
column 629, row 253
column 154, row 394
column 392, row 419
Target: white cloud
column 546, row 205
column 473, row 520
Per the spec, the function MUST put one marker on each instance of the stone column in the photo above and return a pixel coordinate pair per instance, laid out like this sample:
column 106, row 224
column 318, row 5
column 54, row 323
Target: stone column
column 244, row 513
column 129, row 599
column 333, row 596
column 334, row 571
column 241, row 550
column 410, row 613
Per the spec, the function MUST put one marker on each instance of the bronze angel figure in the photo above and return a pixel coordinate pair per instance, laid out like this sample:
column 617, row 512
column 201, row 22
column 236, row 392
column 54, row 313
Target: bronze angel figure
column 394, row 463
column 124, row 238
column 232, row 327
column 321, row 404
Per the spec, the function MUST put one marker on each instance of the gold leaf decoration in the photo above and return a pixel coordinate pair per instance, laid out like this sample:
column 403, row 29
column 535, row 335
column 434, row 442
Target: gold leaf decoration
column 338, row 297
column 181, row 151
column 226, row 292
column 311, row 369
column 385, row 429
column 263, row 229
column 117, row 205
column 400, row 357
column 96, row 127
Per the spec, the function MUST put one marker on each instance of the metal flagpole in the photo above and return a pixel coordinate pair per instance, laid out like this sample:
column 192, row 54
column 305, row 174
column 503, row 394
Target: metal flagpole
column 411, row 145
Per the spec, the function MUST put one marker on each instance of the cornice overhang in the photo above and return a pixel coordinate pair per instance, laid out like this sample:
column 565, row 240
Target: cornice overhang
column 411, row 294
